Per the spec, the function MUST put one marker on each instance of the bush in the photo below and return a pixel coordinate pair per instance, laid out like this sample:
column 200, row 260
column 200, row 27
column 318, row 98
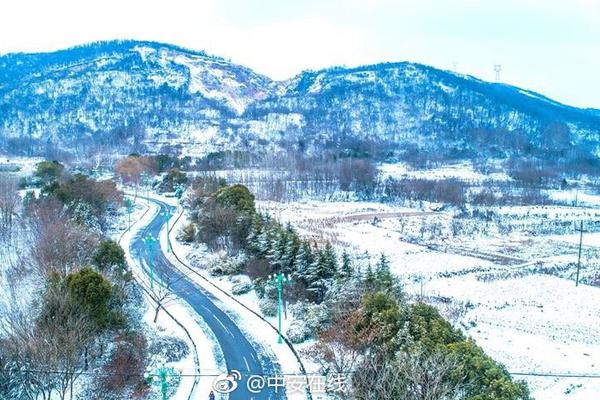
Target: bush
column 241, row 285
column 225, row 265
column 258, row 268
column 172, row 179
column 317, row 317
column 109, row 257
column 127, row 363
column 48, row 171
column 99, row 196
column 169, row 348
column 237, row 197
column 268, row 307
column 188, row 233
column 298, row 332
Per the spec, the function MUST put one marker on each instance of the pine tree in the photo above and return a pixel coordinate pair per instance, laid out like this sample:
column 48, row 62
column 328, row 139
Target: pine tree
column 383, row 264
column 346, row 269
column 278, row 248
column 255, row 230
column 321, row 271
column 314, row 273
column 265, row 241
column 330, row 264
column 303, row 262
column 292, row 247
column 384, row 280
column 369, row 277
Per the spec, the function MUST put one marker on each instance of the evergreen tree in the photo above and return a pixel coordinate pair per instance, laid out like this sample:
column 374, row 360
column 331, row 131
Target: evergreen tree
column 346, row 269
column 303, row 262
column 384, row 280
column 255, row 230
column 264, row 241
column 277, row 252
column 288, row 258
column 369, row 278
column 92, row 291
column 109, row 257
column 321, row 271
column 330, row 263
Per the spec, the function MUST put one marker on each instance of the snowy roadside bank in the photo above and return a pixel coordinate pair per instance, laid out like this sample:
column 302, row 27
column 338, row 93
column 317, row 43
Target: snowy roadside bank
column 262, row 334
column 177, row 319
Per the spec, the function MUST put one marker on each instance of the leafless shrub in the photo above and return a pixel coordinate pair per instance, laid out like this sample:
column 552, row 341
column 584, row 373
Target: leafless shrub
column 450, row 191
column 57, row 244
column 9, row 201
column 127, row 363
column 416, row 374
column 47, row 346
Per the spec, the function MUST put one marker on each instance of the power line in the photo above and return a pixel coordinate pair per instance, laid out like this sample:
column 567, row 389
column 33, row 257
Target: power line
column 556, row 375
column 97, row 373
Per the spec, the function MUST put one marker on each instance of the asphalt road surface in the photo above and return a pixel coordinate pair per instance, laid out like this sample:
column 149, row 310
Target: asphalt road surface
column 240, row 354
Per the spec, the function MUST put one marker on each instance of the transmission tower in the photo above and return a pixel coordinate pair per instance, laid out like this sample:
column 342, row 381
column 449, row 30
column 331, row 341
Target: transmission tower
column 497, row 69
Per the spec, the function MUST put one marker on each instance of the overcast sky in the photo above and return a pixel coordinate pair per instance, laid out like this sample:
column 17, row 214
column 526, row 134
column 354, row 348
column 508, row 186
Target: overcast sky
column 550, row 46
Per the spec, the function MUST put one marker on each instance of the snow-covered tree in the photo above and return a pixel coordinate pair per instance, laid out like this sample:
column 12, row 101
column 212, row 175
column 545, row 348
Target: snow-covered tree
column 346, row 269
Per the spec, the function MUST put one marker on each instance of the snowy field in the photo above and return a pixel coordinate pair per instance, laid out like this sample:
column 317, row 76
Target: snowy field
column 514, row 292
column 463, row 171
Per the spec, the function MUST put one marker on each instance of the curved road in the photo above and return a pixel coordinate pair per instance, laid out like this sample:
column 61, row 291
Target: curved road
column 239, row 352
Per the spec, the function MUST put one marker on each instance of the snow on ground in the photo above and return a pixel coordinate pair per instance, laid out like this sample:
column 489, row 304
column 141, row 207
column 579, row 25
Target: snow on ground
column 463, row 171
column 535, row 323
column 21, row 165
column 260, row 333
column 209, row 355
column 527, row 320
column 575, row 196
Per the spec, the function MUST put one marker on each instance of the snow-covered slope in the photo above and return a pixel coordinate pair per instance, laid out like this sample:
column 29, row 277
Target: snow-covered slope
column 401, row 103
column 125, row 94
column 113, row 92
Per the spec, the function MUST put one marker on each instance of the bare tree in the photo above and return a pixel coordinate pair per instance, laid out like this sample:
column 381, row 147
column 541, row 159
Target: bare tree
column 47, row 347
column 162, row 294
column 412, row 374
column 67, row 331
column 339, row 348
column 57, row 244
column 9, row 201
column 131, row 169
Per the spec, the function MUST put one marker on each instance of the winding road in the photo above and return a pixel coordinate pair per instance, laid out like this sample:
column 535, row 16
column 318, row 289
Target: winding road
column 239, row 352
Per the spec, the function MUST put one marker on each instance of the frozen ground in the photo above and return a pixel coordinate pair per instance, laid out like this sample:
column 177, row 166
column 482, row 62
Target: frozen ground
column 513, row 291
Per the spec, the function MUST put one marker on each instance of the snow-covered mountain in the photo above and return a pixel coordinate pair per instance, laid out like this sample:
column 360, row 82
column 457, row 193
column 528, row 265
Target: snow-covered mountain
column 172, row 99
column 406, row 103
column 115, row 92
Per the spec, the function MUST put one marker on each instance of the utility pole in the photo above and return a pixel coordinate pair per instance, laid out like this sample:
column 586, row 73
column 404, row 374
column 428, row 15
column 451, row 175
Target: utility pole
column 167, row 214
column 129, row 207
column 579, row 257
column 149, row 240
column 178, row 194
column 280, row 280
column 146, row 182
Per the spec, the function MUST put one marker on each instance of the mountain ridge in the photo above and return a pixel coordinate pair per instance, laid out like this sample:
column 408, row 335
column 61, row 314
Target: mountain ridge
column 161, row 97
